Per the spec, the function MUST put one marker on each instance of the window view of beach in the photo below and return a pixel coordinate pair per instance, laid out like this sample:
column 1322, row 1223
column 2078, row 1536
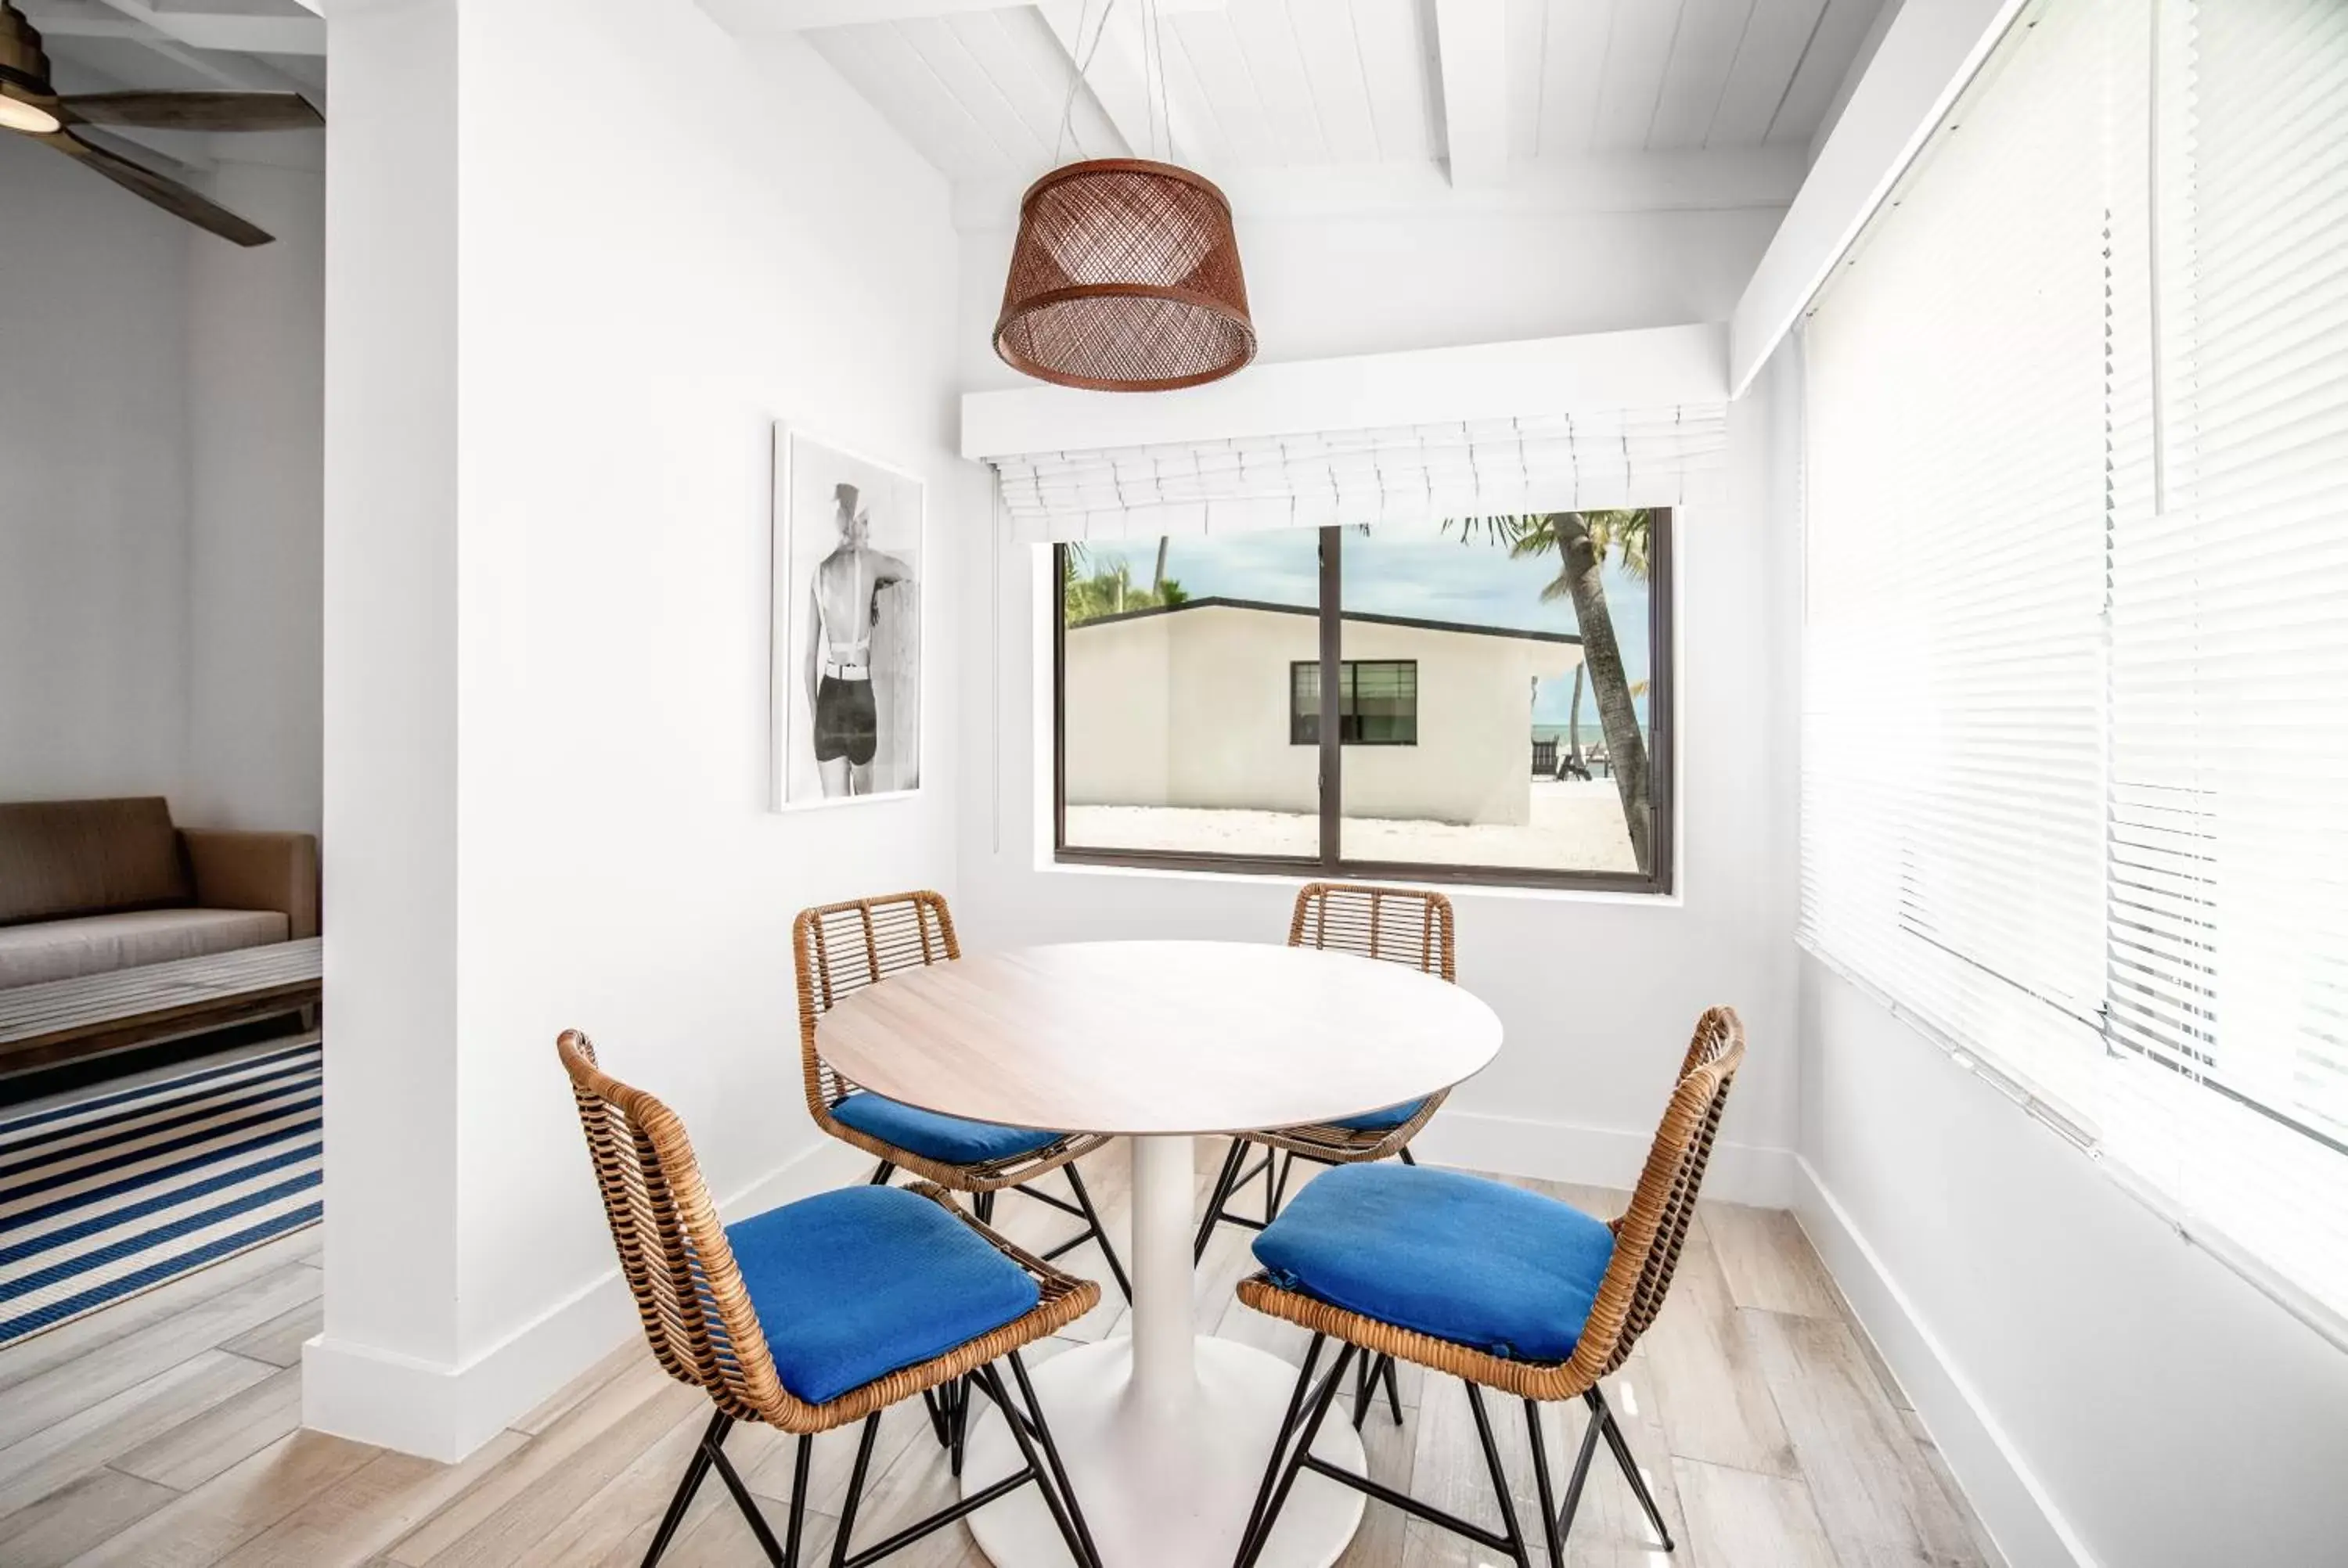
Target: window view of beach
column 1494, row 700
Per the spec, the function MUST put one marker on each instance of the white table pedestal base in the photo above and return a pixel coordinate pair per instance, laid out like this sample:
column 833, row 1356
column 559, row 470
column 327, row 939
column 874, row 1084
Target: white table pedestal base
column 1164, row 1489
column 1165, row 1435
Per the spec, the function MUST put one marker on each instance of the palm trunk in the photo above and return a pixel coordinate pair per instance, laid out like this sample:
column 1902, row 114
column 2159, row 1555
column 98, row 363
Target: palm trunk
column 1573, row 725
column 1608, row 684
column 1157, row 572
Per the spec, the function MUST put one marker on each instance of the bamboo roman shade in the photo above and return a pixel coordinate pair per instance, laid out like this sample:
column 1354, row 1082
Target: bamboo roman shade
column 1557, row 462
column 2075, row 785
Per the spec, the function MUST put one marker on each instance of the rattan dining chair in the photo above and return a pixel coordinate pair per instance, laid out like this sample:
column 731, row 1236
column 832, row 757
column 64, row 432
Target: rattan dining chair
column 1396, row 924
column 1393, row 925
column 1500, row 1288
column 837, row 949
column 820, row 1313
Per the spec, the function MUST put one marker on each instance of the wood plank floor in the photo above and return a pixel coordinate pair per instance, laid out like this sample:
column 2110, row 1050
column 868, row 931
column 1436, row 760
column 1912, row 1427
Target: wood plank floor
column 164, row 1431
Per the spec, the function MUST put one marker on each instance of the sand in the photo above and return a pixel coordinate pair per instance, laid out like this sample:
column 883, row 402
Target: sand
column 1575, row 827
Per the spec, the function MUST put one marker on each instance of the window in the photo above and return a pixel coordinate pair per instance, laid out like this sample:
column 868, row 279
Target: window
column 2076, row 688
column 1500, row 712
column 1377, row 702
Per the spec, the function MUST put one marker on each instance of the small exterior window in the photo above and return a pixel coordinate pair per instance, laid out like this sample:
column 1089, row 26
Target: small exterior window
column 1377, row 702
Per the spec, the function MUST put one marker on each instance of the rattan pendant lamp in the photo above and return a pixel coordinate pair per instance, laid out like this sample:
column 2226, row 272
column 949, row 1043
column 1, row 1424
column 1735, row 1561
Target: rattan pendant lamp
column 1126, row 274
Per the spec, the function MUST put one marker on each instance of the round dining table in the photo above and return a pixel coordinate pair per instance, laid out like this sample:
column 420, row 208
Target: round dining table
column 1166, row 1434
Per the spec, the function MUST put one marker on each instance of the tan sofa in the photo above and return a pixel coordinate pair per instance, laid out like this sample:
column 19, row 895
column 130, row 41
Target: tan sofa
column 91, row 886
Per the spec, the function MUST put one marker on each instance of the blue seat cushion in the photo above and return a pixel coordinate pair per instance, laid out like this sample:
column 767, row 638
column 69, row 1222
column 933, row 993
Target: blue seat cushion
column 949, row 1140
column 852, row 1285
column 1464, row 1259
column 1385, row 1120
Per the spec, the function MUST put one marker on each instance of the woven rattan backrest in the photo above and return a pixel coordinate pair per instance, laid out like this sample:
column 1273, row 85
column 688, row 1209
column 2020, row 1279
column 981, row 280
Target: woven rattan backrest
column 838, row 949
column 673, row 1250
column 1397, row 924
column 1647, row 1238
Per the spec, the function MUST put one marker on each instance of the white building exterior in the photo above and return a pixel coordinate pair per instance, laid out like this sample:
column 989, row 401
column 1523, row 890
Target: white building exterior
column 1190, row 706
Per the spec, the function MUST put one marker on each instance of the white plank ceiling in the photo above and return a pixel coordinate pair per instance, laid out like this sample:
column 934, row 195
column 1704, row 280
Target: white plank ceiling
column 191, row 45
column 1253, row 85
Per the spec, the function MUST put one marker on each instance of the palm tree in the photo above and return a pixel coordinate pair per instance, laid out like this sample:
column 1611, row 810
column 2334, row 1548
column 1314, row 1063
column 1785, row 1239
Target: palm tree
column 1582, row 542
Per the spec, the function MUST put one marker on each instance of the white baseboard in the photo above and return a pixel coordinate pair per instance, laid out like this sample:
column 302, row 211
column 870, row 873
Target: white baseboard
column 1595, row 1156
column 2029, row 1530
column 443, row 1412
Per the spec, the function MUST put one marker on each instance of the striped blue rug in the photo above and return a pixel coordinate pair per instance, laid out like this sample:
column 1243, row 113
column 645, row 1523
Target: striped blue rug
column 126, row 1190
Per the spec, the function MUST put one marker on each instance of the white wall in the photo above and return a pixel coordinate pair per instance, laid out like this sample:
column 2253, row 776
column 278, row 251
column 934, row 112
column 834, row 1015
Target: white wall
column 158, row 525
column 2105, row 1393
column 93, row 497
column 547, row 645
column 256, row 446
column 1598, row 995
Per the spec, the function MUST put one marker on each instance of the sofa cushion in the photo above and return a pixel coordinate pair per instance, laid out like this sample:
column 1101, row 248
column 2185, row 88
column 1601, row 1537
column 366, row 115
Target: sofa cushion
column 96, row 944
column 66, row 857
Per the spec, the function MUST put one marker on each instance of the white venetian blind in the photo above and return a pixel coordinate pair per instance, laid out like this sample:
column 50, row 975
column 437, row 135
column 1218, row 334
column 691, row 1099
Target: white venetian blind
column 2075, row 708
column 1560, row 462
column 1953, row 781
column 2230, row 645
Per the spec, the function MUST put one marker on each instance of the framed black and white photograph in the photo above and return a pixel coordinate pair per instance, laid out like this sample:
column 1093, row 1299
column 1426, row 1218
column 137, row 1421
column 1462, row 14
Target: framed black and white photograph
column 848, row 625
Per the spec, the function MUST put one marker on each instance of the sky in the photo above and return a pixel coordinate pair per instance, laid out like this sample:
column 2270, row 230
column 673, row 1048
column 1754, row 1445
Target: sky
column 1402, row 570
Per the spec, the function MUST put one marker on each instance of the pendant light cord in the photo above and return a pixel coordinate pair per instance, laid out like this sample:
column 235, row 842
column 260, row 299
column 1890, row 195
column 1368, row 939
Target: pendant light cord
column 1157, row 105
column 1083, row 66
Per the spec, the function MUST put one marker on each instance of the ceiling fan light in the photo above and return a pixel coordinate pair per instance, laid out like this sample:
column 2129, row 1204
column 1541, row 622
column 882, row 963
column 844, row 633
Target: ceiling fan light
column 16, row 114
column 1125, row 278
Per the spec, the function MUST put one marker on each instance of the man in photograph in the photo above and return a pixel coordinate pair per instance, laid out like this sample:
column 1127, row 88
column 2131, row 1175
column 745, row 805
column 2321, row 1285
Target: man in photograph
column 845, row 595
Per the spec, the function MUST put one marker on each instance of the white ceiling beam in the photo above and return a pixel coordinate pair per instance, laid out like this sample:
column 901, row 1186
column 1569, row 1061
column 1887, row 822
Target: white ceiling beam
column 1928, row 56
column 764, row 18
column 226, row 24
column 1657, row 367
column 1680, row 180
column 1471, row 42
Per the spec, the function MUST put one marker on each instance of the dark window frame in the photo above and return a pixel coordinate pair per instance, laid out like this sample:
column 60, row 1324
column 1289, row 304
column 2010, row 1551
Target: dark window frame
column 1304, row 729
column 1659, row 880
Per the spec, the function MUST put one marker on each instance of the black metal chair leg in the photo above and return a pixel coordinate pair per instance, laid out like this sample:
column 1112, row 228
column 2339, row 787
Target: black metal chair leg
column 1540, row 1481
column 1604, row 1414
column 983, row 1205
column 1279, row 1440
column 1499, row 1480
column 1408, row 1157
column 749, row 1505
column 1393, row 1392
column 961, row 1425
column 1079, row 1547
column 1581, row 1475
column 798, row 1524
column 1253, row 1548
column 854, row 1489
column 1217, row 1197
column 880, row 1176
column 695, row 1474
column 1365, row 1384
column 1271, row 1187
column 1051, row 1458
column 1100, row 1233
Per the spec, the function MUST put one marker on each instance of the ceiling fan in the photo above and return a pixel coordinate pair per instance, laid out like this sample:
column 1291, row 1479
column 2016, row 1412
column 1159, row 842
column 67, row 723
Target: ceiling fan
column 31, row 108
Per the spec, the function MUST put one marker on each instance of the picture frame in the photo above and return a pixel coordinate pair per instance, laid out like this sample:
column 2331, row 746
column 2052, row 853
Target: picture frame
column 849, row 534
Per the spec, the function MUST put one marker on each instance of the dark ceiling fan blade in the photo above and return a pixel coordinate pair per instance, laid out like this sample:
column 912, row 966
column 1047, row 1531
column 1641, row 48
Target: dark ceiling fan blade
column 169, row 194
column 196, row 111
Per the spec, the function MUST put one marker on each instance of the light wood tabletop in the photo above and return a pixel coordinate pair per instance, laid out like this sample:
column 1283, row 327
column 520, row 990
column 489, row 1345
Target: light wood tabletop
column 1149, row 1038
